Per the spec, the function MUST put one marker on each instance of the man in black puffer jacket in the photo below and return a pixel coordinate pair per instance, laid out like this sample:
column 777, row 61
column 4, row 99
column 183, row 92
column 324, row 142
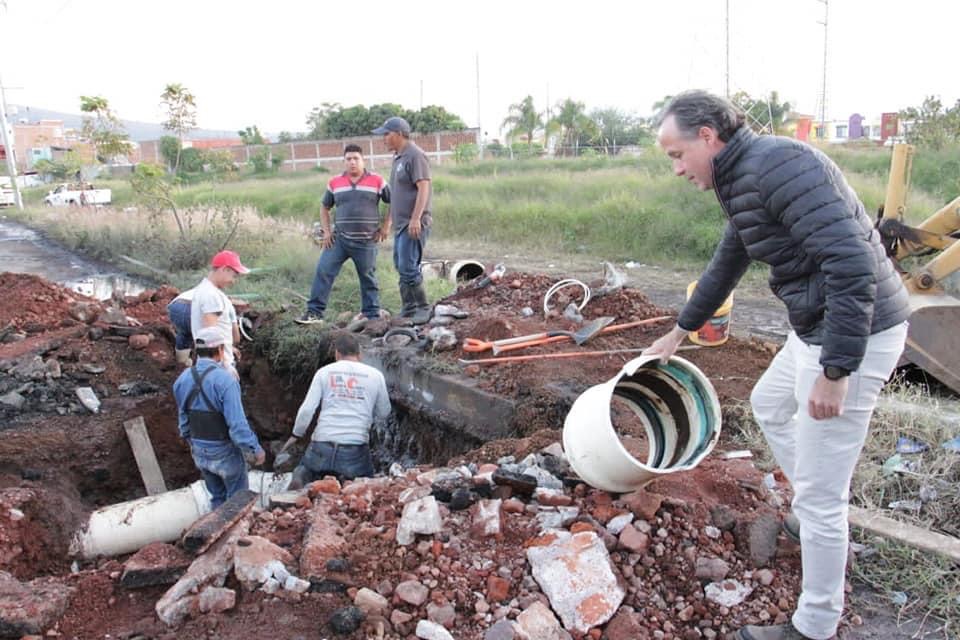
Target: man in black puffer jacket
column 787, row 205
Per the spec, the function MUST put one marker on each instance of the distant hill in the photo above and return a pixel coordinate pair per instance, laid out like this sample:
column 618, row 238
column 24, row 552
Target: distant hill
column 138, row 131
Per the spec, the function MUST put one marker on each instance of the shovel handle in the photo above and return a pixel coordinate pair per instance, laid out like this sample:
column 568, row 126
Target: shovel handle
column 547, row 339
column 565, row 354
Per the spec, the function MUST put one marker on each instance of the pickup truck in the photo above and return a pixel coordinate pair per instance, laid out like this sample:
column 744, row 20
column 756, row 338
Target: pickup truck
column 7, row 199
column 77, row 195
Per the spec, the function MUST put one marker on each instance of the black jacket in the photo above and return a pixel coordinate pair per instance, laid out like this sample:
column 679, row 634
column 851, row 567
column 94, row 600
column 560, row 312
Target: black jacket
column 788, row 206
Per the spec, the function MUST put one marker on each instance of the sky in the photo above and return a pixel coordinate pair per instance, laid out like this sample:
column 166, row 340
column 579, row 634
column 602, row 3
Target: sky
column 268, row 63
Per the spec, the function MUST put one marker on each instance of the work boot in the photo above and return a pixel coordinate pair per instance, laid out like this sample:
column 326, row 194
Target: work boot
column 775, row 632
column 791, row 527
column 422, row 309
column 183, row 357
column 310, row 318
column 407, row 297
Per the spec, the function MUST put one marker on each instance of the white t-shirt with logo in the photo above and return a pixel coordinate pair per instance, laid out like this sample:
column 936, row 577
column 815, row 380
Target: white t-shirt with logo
column 351, row 395
column 208, row 298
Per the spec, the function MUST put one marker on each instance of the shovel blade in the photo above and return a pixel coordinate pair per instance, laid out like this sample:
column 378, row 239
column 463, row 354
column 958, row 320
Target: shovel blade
column 591, row 329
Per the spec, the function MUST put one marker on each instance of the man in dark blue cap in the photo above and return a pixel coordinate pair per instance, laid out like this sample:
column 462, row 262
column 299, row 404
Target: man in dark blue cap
column 409, row 215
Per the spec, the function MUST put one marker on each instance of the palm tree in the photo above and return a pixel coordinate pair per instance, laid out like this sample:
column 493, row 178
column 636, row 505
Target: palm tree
column 523, row 119
column 573, row 124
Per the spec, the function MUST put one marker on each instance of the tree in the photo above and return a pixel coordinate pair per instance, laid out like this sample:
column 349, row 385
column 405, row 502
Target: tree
column 435, row 118
column 617, row 128
column 63, row 169
column 523, row 120
column 181, row 114
column 932, row 125
column 251, row 135
column 150, row 182
column 573, row 125
column 317, row 120
column 764, row 115
column 170, row 148
column 103, row 129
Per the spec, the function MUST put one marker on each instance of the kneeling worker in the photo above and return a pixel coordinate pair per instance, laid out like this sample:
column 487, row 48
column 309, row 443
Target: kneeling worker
column 212, row 419
column 351, row 396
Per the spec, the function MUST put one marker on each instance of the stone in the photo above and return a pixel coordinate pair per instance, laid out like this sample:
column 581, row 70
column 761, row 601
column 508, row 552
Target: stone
column 88, row 399
column 113, row 316
column 296, row 585
column 643, row 504
column 711, row 569
column 486, row 518
column 328, row 485
column 30, row 369
column 537, row 622
column 217, row 600
column 208, row 529
column 13, row 400
column 420, row 516
column 371, row 602
column 139, row 341
column 521, row 483
column 347, row 620
column 498, row 589
column 633, row 540
column 723, row 517
column 462, row 499
column 554, row 449
column 398, row 617
column 728, row 593
column 428, row 630
column 626, row 625
column 254, row 558
column 762, row 536
column 155, row 564
column 442, row 614
column 85, row 312
column 552, row 497
column 322, row 542
column 764, row 577
column 575, row 573
column 616, row 524
column 413, row 493
column 31, row 607
column 544, row 478
column 53, row 368
column 501, row 630
column 210, row 568
column 412, row 592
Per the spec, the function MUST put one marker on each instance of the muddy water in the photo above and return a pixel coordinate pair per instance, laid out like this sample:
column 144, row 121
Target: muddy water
column 23, row 250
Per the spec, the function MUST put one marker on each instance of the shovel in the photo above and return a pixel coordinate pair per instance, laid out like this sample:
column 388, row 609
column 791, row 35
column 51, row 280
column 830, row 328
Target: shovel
column 579, row 336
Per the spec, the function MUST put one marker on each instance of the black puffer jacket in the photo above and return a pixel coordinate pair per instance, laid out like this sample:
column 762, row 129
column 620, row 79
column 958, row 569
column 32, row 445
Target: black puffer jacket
column 789, row 206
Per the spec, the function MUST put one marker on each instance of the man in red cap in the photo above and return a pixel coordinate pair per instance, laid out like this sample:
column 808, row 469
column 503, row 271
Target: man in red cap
column 211, row 307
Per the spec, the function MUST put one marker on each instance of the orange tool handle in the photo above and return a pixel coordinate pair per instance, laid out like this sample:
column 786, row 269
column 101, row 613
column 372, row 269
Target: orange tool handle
column 565, row 354
column 550, row 340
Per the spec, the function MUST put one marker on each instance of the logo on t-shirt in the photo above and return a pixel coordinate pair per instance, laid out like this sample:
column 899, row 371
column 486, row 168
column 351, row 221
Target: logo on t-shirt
column 346, row 387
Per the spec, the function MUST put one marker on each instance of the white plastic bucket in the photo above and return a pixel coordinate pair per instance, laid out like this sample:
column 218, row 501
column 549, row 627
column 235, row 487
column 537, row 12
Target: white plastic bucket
column 679, row 411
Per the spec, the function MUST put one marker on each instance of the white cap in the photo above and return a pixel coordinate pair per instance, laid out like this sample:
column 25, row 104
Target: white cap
column 209, row 337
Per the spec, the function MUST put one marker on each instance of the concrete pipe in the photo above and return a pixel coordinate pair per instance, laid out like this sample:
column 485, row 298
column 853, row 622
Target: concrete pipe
column 464, row 271
column 128, row 526
column 677, row 408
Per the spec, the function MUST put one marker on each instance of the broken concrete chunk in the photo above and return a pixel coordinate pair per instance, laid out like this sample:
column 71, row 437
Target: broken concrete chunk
column 217, row 600
column 155, row 564
column 428, row 630
column 486, row 520
column 322, row 542
column 501, row 630
column 253, row 561
column 575, row 574
column 13, row 400
column 537, row 622
column 371, row 602
column 412, row 592
column 296, row 585
column 712, row 569
column 420, row 516
column 728, row 593
column 617, row 523
column 88, row 399
column 31, row 607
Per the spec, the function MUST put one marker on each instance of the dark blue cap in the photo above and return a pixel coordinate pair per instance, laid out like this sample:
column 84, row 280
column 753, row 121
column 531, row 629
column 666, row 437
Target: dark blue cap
column 396, row 123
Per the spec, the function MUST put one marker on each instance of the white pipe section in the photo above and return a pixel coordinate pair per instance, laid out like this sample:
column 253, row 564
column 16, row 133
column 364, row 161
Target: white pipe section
column 675, row 403
column 128, row 526
column 464, row 270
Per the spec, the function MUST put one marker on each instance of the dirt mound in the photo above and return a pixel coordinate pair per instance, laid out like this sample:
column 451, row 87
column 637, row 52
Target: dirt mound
column 34, row 305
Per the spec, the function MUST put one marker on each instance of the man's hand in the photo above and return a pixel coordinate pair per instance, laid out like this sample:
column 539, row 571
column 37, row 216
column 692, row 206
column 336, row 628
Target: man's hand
column 414, row 228
column 236, row 354
column 289, row 443
column 259, row 457
column 327, row 239
column 826, row 397
column 665, row 346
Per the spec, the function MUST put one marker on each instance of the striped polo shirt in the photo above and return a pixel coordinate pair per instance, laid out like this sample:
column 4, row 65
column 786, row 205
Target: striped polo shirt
column 357, row 204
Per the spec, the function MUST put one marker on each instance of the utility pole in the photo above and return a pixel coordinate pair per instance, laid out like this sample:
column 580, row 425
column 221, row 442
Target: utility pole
column 823, row 86
column 8, row 147
column 727, row 74
column 479, row 126
column 421, row 95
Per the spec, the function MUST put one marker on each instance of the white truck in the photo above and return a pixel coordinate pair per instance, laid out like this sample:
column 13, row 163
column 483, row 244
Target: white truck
column 77, row 195
column 7, row 198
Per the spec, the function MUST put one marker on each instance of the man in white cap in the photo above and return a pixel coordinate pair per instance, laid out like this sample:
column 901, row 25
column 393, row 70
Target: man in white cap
column 212, row 420
column 211, row 307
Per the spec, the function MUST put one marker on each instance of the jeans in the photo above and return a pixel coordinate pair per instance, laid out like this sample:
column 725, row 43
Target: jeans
column 222, row 466
column 364, row 256
column 407, row 253
column 179, row 313
column 818, row 457
column 346, row 462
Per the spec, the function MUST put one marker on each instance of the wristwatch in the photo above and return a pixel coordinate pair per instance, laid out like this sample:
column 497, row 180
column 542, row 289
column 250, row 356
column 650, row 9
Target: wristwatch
column 831, row 372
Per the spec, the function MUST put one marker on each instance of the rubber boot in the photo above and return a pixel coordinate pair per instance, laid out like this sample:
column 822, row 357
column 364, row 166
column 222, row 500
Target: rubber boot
column 422, row 308
column 776, row 632
column 183, row 357
column 409, row 304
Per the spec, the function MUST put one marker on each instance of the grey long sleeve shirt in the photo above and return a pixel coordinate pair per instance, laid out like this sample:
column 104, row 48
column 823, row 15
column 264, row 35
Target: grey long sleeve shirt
column 351, row 396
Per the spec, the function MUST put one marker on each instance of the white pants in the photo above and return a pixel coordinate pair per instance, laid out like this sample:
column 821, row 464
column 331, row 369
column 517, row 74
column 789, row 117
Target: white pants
column 818, row 457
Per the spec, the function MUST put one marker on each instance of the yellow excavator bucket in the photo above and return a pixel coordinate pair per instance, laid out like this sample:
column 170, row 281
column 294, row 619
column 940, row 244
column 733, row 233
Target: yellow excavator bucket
column 933, row 342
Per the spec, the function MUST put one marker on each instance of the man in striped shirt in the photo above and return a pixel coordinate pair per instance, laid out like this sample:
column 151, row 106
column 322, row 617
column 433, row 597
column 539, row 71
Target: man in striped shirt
column 356, row 195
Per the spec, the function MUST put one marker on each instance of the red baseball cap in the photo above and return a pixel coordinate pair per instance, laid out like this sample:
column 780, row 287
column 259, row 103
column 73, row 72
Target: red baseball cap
column 228, row 259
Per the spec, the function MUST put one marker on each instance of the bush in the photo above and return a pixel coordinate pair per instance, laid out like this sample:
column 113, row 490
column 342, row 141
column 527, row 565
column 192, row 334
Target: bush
column 466, row 152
